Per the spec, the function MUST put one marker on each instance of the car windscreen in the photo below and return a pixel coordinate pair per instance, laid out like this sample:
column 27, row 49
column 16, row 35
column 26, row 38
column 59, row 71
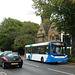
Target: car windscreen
column 12, row 55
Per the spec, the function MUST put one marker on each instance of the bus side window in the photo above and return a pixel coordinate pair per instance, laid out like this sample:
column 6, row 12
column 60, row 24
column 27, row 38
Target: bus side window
column 33, row 50
column 38, row 50
column 27, row 49
column 46, row 49
column 42, row 51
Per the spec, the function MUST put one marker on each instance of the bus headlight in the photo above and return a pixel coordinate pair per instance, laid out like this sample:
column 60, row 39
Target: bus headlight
column 52, row 56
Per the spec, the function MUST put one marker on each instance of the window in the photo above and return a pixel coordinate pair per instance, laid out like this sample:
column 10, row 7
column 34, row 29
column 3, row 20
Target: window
column 40, row 39
column 57, row 37
column 34, row 50
column 11, row 55
column 47, row 49
column 39, row 49
column 52, row 38
column 59, row 49
column 43, row 49
column 40, row 31
column 53, row 28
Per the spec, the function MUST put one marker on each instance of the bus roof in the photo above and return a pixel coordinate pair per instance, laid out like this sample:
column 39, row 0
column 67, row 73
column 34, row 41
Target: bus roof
column 38, row 44
column 42, row 44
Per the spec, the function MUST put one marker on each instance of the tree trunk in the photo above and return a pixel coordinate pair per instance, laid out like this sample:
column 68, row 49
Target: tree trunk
column 73, row 45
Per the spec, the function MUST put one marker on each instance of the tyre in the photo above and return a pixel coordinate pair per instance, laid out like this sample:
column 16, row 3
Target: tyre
column 42, row 60
column 20, row 66
column 3, row 65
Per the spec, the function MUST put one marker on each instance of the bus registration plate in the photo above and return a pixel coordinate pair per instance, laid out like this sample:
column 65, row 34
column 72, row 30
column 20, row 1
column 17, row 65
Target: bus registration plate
column 59, row 61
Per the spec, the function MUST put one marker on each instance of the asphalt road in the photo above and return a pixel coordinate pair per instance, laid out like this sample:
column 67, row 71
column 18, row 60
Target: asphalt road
column 37, row 68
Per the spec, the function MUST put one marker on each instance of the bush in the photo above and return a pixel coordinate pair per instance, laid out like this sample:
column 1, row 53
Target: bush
column 71, row 59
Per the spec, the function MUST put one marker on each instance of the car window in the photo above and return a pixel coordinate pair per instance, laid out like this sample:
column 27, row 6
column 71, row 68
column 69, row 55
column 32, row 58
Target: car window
column 11, row 55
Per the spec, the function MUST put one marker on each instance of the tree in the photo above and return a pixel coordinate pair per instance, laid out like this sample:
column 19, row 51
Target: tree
column 15, row 34
column 63, row 13
column 43, row 8
column 9, row 29
column 27, row 35
column 65, row 19
column 46, row 22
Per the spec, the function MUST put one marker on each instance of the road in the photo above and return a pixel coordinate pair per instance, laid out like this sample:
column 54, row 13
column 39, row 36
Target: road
column 37, row 68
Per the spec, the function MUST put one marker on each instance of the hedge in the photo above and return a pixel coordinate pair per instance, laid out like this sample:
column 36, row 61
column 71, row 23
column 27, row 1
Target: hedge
column 71, row 59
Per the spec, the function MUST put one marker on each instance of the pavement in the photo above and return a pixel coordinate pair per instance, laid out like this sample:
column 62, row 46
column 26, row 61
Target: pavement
column 71, row 63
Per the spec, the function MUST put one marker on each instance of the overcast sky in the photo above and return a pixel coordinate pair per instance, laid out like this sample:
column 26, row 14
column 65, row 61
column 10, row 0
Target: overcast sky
column 18, row 9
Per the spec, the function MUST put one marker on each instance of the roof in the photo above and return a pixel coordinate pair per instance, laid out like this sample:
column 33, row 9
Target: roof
column 42, row 44
column 38, row 44
column 46, row 28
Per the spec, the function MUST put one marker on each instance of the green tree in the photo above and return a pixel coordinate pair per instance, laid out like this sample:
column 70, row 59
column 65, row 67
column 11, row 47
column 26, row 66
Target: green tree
column 65, row 19
column 43, row 8
column 27, row 35
column 9, row 29
column 63, row 13
column 46, row 22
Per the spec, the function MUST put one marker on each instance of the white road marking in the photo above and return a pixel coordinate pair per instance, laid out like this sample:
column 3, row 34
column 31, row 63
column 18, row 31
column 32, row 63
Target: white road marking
column 51, row 69
column 60, row 71
column 3, row 73
column 31, row 64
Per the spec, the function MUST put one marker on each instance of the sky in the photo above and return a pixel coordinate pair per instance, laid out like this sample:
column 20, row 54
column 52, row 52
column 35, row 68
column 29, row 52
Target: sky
column 18, row 9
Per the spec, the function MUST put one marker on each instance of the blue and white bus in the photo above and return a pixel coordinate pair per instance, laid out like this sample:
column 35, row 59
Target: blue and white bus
column 54, row 51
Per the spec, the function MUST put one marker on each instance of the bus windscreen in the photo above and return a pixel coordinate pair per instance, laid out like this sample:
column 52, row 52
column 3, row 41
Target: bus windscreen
column 59, row 48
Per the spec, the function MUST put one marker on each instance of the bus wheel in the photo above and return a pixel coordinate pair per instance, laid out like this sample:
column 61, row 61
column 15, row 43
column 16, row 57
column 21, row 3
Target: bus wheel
column 42, row 60
column 28, row 57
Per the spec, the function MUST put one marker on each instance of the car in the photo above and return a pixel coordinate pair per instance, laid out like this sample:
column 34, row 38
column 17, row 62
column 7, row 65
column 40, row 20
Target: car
column 7, row 52
column 2, row 53
column 14, row 52
column 12, row 59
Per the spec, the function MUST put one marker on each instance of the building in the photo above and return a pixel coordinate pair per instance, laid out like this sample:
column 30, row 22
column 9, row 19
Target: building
column 47, row 33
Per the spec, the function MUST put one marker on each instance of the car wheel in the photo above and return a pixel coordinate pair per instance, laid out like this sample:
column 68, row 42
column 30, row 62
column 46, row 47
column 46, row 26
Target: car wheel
column 20, row 66
column 3, row 65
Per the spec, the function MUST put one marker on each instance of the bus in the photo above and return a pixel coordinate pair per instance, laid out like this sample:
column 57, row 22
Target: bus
column 53, row 51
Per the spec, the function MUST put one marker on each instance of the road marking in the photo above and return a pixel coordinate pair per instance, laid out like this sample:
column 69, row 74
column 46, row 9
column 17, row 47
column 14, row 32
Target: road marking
column 60, row 71
column 51, row 69
column 3, row 73
column 31, row 65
